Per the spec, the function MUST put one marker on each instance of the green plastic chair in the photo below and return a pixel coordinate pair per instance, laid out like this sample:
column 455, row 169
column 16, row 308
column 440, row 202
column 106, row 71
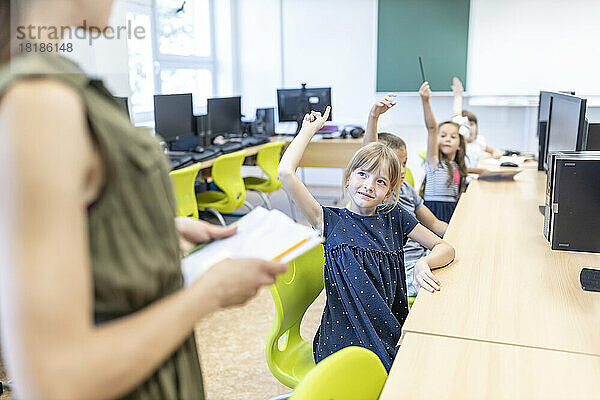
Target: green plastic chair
column 267, row 159
column 411, row 300
column 289, row 356
column 409, row 177
column 353, row 373
column 183, row 186
column 226, row 173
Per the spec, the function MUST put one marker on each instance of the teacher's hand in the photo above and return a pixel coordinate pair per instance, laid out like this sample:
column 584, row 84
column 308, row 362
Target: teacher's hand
column 193, row 232
column 233, row 282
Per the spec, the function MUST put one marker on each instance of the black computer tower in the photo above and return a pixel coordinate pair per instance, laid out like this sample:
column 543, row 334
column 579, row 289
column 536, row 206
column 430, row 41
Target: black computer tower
column 572, row 217
column 265, row 121
column 201, row 128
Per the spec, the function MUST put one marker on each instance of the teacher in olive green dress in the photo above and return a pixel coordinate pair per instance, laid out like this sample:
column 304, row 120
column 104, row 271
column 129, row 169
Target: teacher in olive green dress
column 91, row 297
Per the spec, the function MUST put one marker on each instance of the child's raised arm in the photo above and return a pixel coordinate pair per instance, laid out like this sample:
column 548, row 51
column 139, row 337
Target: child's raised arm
column 457, row 89
column 430, row 221
column 380, row 106
column 289, row 163
column 496, row 153
column 431, row 124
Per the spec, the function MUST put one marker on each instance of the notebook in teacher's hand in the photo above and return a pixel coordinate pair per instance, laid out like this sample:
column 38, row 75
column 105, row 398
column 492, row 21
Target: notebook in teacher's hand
column 264, row 234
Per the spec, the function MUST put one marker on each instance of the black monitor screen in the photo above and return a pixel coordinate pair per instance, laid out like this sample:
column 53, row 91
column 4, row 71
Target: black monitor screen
column 173, row 116
column 567, row 122
column 542, row 126
column 293, row 104
column 544, row 107
column 225, row 115
column 593, row 137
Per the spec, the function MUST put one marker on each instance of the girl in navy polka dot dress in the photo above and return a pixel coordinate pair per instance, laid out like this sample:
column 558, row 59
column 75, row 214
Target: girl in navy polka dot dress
column 365, row 279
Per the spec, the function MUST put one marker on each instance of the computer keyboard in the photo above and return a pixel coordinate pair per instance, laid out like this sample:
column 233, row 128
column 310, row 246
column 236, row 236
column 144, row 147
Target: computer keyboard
column 203, row 154
column 179, row 160
column 254, row 140
column 590, row 279
column 230, row 147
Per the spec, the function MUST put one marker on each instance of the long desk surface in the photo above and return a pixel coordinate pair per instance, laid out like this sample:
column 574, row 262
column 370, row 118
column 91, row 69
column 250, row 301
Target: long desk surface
column 324, row 153
column 506, row 287
column 330, row 153
column 438, row 367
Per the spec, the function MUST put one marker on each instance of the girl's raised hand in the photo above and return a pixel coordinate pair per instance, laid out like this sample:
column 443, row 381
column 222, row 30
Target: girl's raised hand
column 425, row 91
column 457, row 86
column 315, row 121
column 383, row 104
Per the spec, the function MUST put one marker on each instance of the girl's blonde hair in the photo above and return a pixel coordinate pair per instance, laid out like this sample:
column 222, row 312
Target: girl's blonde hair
column 374, row 157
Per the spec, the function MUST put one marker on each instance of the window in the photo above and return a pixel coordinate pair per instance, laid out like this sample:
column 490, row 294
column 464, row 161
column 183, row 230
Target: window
column 178, row 58
column 141, row 68
column 183, row 28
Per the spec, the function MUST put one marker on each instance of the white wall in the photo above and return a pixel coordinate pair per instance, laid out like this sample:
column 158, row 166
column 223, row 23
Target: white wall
column 520, row 47
column 259, row 53
column 106, row 59
column 333, row 43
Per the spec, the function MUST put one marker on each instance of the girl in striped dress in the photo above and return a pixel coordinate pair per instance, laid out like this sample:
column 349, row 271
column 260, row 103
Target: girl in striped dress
column 445, row 166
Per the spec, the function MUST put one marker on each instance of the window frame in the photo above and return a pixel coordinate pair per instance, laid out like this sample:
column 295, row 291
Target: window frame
column 162, row 61
column 171, row 61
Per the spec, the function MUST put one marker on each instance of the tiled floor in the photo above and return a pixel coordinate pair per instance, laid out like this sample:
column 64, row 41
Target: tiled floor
column 232, row 343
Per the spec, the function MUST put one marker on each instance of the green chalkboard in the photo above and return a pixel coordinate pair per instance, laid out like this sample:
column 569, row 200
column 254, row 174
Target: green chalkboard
column 436, row 30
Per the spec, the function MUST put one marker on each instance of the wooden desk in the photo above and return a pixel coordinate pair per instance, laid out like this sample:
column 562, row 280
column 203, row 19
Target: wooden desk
column 506, row 285
column 330, row 153
column 250, row 151
column 437, row 367
column 324, row 153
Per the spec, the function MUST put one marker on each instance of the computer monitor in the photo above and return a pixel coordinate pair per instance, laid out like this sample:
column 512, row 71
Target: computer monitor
column 566, row 129
column 542, row 126
column 293, row 104
column 173, row 116
column 593, row 136
column 225, row 115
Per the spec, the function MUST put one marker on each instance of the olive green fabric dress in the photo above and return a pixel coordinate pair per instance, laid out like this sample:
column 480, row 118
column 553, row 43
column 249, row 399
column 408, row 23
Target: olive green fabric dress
column 133, row 242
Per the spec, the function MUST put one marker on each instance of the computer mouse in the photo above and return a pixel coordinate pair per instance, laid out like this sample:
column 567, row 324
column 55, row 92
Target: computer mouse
column 508, row 164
